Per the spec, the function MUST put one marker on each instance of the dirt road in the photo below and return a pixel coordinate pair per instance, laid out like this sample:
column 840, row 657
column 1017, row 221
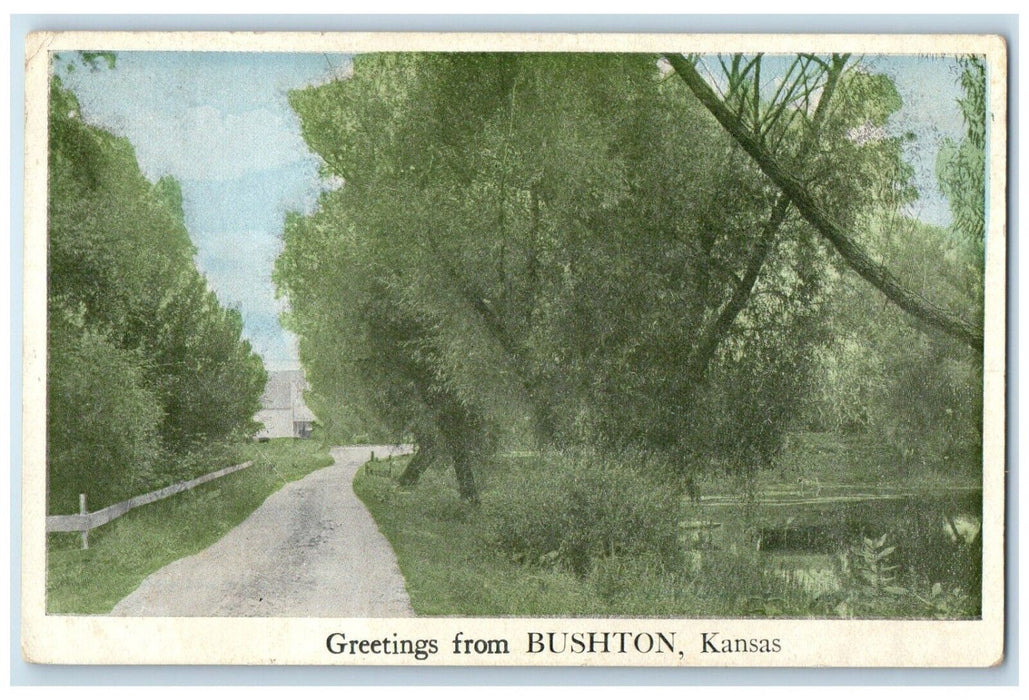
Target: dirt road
column 310, row 550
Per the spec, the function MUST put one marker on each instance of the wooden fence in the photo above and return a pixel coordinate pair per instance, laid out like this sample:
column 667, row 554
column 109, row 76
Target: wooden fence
column 84, row 521
column 379, row 467
column 383, row 465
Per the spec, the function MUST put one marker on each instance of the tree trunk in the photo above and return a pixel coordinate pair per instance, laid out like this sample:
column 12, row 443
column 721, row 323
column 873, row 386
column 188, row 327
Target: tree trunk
column 466, row 486
column 712, row 337
column 416, row 467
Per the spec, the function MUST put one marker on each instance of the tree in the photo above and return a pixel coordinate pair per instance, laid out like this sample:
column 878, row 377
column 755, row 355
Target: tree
column 367, row 354
column 573, row 240
column 911, row 386
column 102, row 418
column 135, row 335
column 814, row 212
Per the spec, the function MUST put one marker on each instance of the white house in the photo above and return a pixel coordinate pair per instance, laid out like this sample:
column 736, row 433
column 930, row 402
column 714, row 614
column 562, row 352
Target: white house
column 283, row 411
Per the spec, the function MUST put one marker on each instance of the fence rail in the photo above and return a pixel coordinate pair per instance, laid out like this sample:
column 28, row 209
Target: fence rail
column 85, row 521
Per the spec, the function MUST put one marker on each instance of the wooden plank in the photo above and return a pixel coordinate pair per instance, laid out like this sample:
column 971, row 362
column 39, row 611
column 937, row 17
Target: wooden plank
column 66, row 523
column 84, row 511
column 87, row 521
column 797, row 498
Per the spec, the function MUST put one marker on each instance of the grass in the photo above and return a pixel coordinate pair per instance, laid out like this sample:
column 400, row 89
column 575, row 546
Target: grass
column 451, row 570
column 455, row 565
column 439, row 552
column 125, row 551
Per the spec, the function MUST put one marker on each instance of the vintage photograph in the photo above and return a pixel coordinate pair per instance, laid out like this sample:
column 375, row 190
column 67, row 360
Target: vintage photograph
column 365, row 334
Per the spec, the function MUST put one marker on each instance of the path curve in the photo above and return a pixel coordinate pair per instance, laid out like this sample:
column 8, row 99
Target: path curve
column 310, row 550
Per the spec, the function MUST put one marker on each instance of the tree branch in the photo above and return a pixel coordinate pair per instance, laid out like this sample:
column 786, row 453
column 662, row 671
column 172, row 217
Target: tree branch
column 856, row 257
column 720, row 324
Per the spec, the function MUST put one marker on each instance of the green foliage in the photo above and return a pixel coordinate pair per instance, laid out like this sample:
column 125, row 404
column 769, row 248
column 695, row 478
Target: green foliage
column 507, row 556
column 541, row 254
column 872, row 570
column 740, row 419
column 874, row 585
column 948, row 603
column 207, row 376
column 93, row 58
column 145, row 360
column 918, row 392
column 103, row 420
column 563, row 252
column 576, row 510
column 961, row 167
column 933, row 411
column 931, row 555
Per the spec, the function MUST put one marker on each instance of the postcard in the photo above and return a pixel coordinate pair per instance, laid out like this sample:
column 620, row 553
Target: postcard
column 514, row 349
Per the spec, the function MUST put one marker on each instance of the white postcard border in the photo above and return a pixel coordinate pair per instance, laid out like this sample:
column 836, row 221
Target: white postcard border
column 106, row 640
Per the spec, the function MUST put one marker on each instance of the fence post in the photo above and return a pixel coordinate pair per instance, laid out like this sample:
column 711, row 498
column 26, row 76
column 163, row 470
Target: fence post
column 85, row 525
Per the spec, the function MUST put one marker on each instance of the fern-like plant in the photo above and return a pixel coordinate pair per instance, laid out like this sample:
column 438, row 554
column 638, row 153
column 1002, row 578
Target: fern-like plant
column 872, row 569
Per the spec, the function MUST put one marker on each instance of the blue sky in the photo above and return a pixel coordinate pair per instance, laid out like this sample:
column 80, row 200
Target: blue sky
column 220, row 123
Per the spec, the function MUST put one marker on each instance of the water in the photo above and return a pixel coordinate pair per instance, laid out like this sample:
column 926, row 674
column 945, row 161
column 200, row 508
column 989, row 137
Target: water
column 805, row 541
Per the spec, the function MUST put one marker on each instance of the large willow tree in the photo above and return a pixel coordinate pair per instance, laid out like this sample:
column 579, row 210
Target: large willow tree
column 564, row 249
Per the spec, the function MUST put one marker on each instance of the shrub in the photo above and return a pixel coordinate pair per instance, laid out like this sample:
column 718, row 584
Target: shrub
column 436, row 498
column 575, row 509
column 641, row 584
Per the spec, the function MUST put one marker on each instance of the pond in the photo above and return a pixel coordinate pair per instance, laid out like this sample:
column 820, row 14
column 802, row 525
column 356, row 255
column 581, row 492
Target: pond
column 807, row 540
